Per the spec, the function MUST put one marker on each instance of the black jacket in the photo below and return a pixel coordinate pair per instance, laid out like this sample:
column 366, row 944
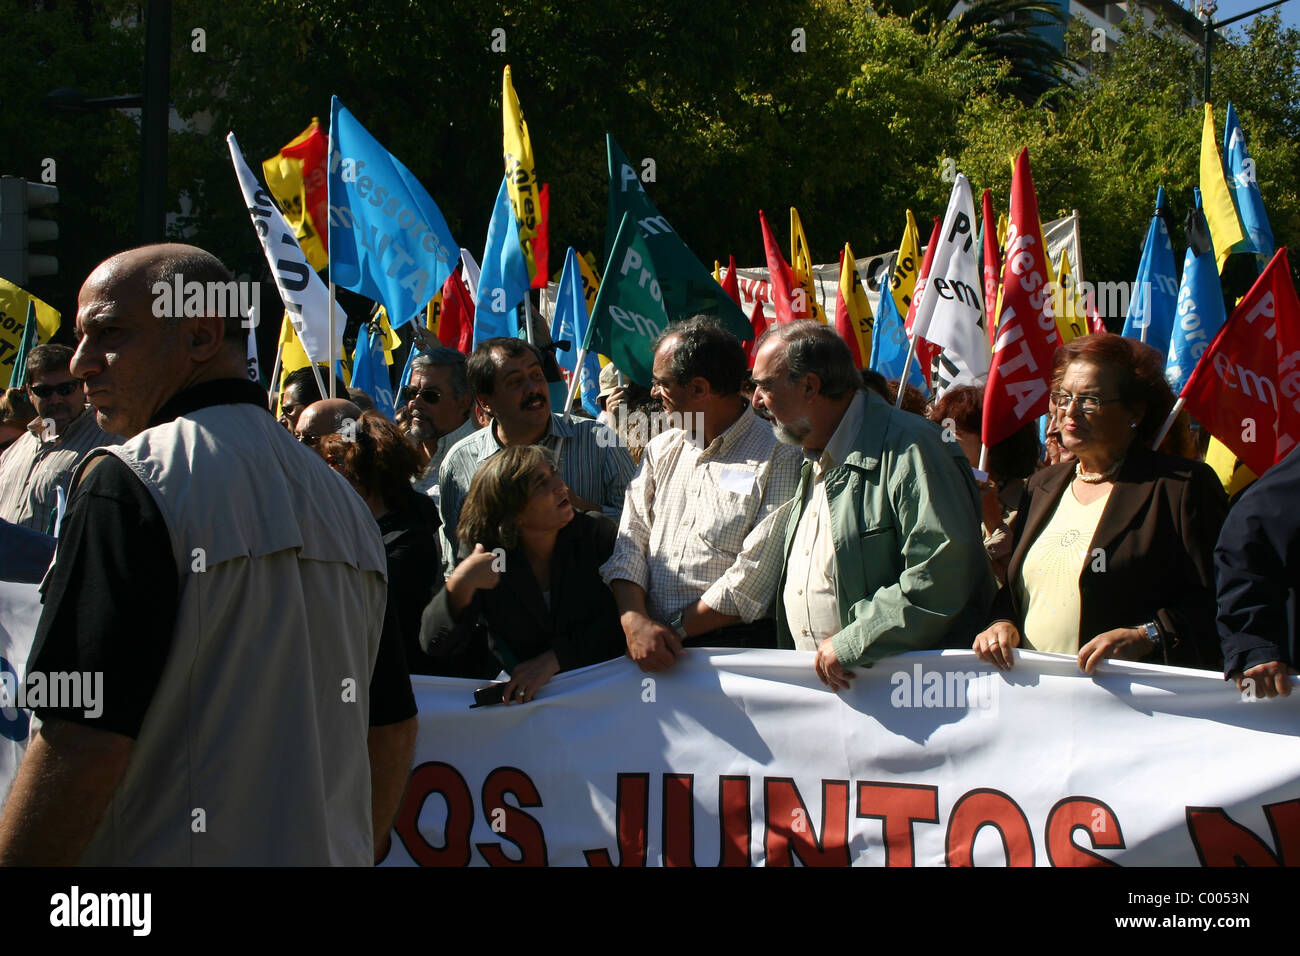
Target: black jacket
column 1156, row 539
column 1257, row 567
column 581, row 625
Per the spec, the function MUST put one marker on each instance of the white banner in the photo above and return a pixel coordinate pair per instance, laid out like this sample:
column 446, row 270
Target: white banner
column 20, row 610
column 743, row 757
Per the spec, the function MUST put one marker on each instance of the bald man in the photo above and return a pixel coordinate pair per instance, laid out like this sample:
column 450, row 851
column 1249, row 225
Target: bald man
column 325, row 417
column 222, row 587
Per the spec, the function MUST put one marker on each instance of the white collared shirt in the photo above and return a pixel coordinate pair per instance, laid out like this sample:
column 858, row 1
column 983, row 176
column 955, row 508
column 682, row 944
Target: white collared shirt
column 812, row 607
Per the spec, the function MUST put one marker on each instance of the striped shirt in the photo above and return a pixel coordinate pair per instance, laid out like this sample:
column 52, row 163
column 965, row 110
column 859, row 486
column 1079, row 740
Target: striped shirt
column 31, row 469
column 689, row 510
column 591, row 461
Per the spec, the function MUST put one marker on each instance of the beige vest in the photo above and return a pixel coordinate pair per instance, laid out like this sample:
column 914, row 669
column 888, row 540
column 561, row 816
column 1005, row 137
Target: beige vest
column 253, row 751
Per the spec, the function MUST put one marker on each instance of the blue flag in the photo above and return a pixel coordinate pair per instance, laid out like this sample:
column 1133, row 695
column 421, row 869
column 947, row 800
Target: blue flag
column 1200, row 302
column 1151, row 306
column 503, row 274
column 570, row 325
column 1240, row 173
column 889, row 343
column 387, row 238
column 369, row 373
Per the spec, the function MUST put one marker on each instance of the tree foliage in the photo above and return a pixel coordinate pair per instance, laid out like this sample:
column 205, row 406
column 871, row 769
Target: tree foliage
column 840, row 107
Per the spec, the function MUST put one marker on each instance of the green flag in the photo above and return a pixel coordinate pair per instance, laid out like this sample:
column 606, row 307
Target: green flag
column 18, row 378
column 688, row 287
column 628, row 313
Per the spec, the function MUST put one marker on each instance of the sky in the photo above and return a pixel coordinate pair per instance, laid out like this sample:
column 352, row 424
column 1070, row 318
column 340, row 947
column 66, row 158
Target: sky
column 1230, row 8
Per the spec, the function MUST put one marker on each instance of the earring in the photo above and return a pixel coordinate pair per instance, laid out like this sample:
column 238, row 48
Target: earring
column 1133, row 425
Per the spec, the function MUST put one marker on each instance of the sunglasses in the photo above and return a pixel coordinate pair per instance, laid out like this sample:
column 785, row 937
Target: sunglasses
column 309, row 439
column 430, row 396
column 63, row 388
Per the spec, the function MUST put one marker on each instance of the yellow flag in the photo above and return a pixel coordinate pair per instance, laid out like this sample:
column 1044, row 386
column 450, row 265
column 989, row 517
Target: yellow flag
column 1220, row 213
column 284, row 180
column 853, row 319
column 1233, row 474
column 589, row 282
column 801, row 268
column 13, row 317
column 387, row 336
column 1071, row 320
column 520, row 178
column 292, row 355
column 906, row 266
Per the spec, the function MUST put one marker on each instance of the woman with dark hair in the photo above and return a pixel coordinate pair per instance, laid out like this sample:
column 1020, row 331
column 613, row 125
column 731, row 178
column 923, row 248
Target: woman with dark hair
column 16, row 412
column 960, row 412
column 1114, row 552
column 530, row 568
column 378, row 462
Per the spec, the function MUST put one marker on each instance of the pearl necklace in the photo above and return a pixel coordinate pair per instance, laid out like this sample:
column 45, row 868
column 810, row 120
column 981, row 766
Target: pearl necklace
column 1092, row 478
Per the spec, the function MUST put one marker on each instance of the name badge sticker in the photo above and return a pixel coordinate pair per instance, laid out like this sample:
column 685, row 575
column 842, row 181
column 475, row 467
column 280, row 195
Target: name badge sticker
column 737, row 480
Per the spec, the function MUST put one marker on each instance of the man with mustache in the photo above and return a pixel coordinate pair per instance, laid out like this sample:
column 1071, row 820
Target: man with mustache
column 506, row 377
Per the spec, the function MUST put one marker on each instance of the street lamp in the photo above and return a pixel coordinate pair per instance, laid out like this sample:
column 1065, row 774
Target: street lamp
column 1205, row 12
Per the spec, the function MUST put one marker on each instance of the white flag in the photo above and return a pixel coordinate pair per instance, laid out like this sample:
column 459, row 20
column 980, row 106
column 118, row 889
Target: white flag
column 950, row 306
column 306, row 299
column 254, row 365
column 470, row 272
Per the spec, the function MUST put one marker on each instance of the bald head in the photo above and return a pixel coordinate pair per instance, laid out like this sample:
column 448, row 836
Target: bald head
column 150, row 325
column 325, row 417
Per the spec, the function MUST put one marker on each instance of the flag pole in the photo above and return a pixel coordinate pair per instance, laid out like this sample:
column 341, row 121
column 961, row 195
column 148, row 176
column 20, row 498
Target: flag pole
column 573, row 384
column 1169, row 423
column 984, row 457
column 902, row 378
column 528, row 316
column 331, row 345
column 274, row 390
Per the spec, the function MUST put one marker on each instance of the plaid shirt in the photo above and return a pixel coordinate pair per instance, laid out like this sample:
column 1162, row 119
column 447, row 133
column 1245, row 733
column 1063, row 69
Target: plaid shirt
column 31, row 469
column 592, row 464
column 688, row 511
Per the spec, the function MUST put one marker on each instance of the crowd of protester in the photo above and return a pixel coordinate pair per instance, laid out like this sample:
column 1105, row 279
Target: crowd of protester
column 480, row 533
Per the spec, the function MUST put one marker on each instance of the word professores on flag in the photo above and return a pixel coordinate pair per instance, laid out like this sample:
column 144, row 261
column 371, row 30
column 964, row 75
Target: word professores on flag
column 388, row 240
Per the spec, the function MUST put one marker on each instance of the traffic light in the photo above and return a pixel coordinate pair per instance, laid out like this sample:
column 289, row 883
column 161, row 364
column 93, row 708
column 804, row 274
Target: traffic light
column 18, row 229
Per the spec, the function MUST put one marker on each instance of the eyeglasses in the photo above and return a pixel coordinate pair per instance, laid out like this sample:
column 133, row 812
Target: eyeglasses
column 309, row 439
column 63, row 388
column 1088, row 404
column 430, row 396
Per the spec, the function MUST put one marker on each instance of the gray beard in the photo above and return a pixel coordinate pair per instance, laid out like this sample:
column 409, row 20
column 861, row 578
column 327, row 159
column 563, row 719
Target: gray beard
column 793, row 433
column 422, row 432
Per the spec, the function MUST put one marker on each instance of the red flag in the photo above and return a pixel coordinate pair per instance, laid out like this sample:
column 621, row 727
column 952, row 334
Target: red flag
column 731, row 283
column 1021, row 375
column 456, row 324
column 758, row 322
column 542, row 241
column 779, row 280
column 925, row 351
column 310, row 149
column 1095, row 323
column 1244, row 388
column 992, row 262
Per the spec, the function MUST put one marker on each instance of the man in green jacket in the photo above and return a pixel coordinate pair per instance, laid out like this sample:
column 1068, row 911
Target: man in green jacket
column 880, row 548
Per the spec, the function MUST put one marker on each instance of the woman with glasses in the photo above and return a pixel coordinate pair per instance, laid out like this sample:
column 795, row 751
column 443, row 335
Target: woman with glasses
column 1114, row 550
column 530, row 568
